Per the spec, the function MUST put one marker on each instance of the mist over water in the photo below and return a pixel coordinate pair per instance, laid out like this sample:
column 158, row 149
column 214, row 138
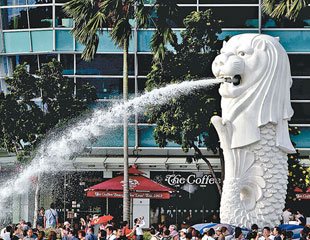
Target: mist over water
column 61, row 146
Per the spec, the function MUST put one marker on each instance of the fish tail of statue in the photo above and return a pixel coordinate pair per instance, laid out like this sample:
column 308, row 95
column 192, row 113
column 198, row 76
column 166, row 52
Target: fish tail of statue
column 254, row 189
column 253, row 129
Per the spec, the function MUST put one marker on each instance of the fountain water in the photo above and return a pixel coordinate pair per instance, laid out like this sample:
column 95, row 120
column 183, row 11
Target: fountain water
column 60, row 146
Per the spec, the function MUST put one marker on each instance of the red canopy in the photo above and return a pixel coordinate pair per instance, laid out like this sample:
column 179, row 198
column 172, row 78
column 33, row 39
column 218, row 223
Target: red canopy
column 139, row 186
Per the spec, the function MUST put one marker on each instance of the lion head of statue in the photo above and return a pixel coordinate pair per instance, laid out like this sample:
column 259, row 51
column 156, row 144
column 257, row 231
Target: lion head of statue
column 256, row 90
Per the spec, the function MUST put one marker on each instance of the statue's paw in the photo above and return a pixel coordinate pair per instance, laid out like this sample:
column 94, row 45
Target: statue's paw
column 216, row 121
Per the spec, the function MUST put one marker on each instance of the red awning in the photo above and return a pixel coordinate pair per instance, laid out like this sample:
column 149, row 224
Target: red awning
column 297, row 189
column 133, row 171
column 139, row 187
column 119, row 194
column 136, row 183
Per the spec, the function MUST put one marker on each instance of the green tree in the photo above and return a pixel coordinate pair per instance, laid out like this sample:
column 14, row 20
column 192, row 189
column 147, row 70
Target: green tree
column 34, row 106
column 297, row 174
column 93, row 17
column 284, row 8
column 186, row 120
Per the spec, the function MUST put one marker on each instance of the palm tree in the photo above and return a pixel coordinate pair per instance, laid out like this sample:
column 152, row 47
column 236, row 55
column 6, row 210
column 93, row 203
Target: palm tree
column 94, row 16
column 287, row 8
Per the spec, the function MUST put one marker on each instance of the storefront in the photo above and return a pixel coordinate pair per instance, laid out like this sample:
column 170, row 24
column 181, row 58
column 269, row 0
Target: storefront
column 195, row 200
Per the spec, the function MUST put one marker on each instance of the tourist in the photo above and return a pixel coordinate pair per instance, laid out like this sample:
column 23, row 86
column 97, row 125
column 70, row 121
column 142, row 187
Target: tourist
column 52, row 235
column 102, row 234
column 51, row 217
column 24, row 225
column 81, row 234
column 174, row 235
column 277, row 233
column 29, row 235
column 300, row 218
column 173, row 232
column 71, row 235
column 118, row 234
column 65, row 231
column 90, row 234
column 266, row 234
column 183, row 233
column 7, row 233
column 253, row 233
column 188, row 236
column 289, row 235
column 238, row 235
column 18, row 233
column 210, row 234
column 304, row 234
column 166, row 235
column 153, row 234
column 286, row 216
column 139, row 223
column 221, row 231
column 110, row 234
column 41, row 235
column 40, row 218
column 126, row 231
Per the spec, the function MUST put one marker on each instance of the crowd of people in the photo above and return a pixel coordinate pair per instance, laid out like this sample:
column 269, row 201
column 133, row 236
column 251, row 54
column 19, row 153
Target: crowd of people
column 48, row 227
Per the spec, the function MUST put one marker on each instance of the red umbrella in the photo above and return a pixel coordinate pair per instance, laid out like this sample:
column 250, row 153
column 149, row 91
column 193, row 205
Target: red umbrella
column 103, row 219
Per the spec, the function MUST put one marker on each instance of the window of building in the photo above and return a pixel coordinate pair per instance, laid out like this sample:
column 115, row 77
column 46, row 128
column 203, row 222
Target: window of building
column 14, row 18
column 12, row 2
column 40, row 17
column 177, row 21
column 39, row 1
column 67, row 61
column 228, row 2
column 300, row 64
column 300, row 89
column 30, row 60
column 62, row 20
column 104, row 64
column 45, row 58
column 236, row 17
column 107, row 88
column 141, row 84
column 144, row 64
column 301, row 113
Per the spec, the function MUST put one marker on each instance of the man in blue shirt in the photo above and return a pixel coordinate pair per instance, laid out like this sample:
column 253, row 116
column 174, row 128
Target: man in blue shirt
column 90, row 234
column 51, row 217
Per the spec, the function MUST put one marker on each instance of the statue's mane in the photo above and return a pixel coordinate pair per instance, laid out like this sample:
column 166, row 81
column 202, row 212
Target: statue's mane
column 266, row 101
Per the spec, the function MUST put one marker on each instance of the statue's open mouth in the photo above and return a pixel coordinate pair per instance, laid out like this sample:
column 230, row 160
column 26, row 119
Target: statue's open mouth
column 236, row 80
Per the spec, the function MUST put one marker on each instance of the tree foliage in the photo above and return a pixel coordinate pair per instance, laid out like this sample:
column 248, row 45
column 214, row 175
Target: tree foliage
column 36, row 104
column 184, row 119
column 297, row 174
column 284, row 8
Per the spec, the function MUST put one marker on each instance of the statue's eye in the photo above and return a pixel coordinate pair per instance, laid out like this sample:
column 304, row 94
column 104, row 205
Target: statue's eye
column 242, row 54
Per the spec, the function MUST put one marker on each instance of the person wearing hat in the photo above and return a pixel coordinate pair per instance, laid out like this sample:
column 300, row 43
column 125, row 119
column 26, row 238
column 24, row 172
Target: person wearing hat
column 65, row 230
column 174, row 235
column 183, row 233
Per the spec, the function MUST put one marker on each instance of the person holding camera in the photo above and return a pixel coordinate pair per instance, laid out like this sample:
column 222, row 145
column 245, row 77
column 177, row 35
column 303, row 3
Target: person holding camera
column 139, row 223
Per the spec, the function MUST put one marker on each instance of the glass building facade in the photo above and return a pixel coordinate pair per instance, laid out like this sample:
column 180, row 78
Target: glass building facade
column 35, row 31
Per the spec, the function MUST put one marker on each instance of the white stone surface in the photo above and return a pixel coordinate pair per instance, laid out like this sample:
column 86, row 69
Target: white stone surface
column 253, row 129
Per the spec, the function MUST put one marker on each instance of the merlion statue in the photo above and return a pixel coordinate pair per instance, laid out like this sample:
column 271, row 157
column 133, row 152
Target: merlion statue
column 253, row 129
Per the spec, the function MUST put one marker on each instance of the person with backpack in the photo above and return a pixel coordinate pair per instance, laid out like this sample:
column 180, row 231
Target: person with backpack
column 51, row 217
